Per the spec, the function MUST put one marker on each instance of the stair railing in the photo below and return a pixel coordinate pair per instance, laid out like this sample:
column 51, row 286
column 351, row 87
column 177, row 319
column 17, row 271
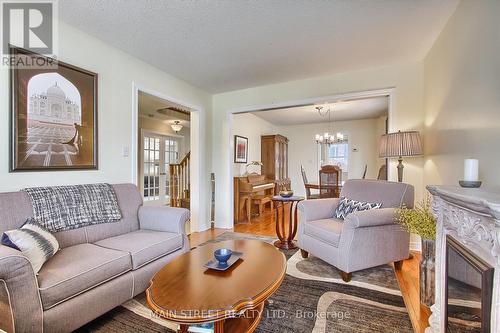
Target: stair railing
column 179, row 182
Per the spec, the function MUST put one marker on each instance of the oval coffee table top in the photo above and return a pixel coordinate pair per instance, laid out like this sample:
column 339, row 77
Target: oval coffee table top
column 185, row 291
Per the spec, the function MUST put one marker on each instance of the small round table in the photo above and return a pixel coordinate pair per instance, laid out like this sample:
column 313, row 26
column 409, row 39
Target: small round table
column 286, row 241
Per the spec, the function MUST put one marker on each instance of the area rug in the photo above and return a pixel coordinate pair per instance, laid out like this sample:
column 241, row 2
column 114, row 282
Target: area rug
column 312, row 298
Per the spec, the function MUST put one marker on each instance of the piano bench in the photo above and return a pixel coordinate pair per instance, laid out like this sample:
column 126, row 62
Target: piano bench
column 261, row 200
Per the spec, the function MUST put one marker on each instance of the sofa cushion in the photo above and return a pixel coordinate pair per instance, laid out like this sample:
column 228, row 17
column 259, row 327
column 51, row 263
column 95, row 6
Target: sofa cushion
column 78, row 268
column 144, row 246
column 326, row 230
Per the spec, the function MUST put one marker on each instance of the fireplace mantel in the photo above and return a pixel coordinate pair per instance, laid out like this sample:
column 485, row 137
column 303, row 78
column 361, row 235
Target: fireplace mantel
column 471, row 216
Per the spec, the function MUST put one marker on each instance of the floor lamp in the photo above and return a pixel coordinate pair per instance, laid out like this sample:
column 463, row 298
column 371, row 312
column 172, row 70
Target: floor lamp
column 400, row 144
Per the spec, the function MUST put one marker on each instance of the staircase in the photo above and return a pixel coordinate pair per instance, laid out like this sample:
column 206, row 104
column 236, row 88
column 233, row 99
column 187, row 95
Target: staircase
column 179, row 183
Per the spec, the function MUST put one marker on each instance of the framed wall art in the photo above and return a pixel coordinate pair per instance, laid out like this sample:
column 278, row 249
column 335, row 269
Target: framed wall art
column 240, row 149
column 53, row 116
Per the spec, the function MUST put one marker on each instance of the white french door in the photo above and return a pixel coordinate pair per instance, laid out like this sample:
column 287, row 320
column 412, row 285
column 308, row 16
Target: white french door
column 158, row 152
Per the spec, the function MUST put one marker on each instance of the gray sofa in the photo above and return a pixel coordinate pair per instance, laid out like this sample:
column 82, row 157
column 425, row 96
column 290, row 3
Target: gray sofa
column 98, row 267
column 364, row 239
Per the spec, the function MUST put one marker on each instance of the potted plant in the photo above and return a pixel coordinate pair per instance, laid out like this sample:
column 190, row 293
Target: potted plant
column 421, row 221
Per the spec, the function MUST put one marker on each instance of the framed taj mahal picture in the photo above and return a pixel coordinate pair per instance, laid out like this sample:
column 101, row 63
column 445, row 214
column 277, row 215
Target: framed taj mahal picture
column 53, row 116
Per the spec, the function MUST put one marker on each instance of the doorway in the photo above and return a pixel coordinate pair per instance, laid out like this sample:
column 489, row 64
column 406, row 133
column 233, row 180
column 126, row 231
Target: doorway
column 164, row 143
column 197, row 132
column 355, row 170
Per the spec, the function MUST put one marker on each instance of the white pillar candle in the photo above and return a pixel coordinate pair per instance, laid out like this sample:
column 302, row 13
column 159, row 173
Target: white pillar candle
column 471, row 170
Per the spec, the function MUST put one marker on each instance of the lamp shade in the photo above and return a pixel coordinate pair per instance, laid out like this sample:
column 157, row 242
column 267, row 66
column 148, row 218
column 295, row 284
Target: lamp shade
column 400, row 144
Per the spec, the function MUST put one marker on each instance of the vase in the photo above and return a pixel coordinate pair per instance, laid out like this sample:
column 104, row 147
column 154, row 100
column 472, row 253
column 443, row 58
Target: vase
column 427, row 272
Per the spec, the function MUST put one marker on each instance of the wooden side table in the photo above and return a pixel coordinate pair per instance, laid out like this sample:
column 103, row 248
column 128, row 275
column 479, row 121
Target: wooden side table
column 285, row 240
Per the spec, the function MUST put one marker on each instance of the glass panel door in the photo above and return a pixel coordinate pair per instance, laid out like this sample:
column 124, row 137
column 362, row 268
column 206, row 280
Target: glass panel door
column 158, row 153
column 171, row 157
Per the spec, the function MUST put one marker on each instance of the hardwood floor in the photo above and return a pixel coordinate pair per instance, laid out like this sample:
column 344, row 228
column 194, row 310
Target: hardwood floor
column 408, row 276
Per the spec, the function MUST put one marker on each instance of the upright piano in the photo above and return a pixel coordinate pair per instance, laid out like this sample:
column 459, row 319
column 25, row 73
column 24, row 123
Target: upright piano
column 246, row 188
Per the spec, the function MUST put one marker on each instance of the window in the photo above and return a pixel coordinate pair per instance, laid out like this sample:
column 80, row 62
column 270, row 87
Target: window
column 338, row 154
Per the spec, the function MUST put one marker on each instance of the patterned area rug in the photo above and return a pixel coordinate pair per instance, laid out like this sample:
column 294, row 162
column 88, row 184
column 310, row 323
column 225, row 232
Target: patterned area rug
column 312, row 298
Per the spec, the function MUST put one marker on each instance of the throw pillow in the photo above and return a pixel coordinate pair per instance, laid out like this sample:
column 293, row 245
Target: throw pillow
column 347, row 206
column 34, row 241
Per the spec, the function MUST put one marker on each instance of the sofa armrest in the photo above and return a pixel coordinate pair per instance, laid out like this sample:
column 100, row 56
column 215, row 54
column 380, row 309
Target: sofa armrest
column 370, row 218
column 168, row 219
column 318, row 209
column 20, row 304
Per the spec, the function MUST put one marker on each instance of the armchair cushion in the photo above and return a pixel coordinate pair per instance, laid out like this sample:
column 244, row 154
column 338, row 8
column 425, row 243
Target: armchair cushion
column 326, row 230
column 370, row 218
column 163, row 218
column 347, row 206
column 311, row 210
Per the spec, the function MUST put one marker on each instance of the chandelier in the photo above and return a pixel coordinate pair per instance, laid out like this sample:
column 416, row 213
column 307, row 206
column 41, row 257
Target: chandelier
column 328, row 138
column 176, row 126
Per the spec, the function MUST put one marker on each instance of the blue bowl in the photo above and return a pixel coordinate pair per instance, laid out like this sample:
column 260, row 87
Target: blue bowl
column 222, row 256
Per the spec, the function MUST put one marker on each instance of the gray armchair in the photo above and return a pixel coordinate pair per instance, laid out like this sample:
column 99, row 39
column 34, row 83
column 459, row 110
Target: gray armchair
column 364, row 239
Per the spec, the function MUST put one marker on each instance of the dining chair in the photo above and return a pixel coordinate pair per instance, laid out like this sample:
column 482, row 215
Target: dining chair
column 382, row 172
column 329, row 180
column 364, row 172
column 309, row 195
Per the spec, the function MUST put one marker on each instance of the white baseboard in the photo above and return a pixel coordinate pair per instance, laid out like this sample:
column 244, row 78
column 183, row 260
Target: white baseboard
column 416, row 246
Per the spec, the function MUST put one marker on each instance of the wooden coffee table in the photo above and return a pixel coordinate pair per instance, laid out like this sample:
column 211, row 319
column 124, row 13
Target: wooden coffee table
column 187, row 293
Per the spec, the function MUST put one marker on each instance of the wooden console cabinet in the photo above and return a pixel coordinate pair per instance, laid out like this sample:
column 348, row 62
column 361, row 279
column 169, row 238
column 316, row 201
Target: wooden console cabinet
column 274, row 157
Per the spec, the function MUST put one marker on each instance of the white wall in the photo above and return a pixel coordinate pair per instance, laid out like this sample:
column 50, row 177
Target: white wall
column 381, row 130
column 117, row 71
column 303, row 150
column 407, row 80
column 251, row 127
column 462, row 95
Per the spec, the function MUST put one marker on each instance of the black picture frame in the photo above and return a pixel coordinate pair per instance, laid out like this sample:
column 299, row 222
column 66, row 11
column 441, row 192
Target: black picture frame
column 240, row 152
column 85, row 135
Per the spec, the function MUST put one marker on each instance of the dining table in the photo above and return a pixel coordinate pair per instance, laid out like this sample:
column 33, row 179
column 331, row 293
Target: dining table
column 316, row 186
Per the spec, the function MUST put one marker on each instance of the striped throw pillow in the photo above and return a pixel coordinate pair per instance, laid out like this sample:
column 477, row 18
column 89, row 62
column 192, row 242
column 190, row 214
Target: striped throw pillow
column 347, row 206
column 34, row 241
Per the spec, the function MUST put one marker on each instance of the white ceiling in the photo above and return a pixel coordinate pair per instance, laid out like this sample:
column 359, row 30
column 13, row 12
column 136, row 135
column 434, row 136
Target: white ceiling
column 367, row 108
column 221, row 45
column 149, row 105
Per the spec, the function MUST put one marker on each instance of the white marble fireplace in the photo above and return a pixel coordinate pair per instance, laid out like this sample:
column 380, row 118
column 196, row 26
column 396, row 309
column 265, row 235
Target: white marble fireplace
column 472, row 217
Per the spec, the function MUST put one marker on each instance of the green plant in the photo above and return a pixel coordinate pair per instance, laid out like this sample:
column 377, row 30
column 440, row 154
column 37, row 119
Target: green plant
column 418, row 220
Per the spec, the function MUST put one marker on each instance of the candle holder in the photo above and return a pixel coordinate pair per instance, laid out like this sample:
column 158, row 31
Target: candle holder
column 470, row 183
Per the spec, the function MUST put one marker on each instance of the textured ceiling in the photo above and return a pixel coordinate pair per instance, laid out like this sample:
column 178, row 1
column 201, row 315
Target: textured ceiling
column 149, row 106
column 221, row 45
column 367, row 108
